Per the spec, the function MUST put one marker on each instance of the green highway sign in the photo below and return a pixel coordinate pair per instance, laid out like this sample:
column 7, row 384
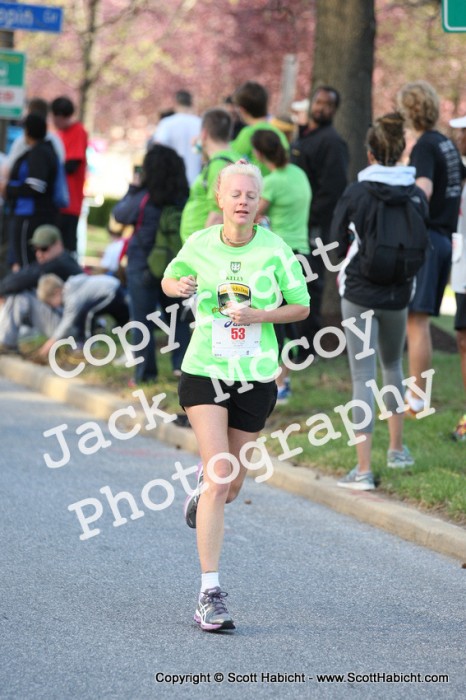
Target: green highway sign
column 12, row 64
column 454, row 15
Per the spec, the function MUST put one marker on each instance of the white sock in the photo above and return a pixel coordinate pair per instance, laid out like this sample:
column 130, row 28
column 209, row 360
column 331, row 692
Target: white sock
column 209, row 580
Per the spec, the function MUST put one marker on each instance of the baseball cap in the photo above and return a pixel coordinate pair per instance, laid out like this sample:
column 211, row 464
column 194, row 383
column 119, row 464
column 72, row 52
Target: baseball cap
column 45, row 236
column 459, row 123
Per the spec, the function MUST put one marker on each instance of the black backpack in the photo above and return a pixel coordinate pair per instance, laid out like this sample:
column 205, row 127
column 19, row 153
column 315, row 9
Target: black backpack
column 395, row 240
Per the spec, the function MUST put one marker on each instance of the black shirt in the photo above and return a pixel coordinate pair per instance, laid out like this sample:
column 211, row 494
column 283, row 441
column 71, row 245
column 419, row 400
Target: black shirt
column 323, row 155
column 436, row 157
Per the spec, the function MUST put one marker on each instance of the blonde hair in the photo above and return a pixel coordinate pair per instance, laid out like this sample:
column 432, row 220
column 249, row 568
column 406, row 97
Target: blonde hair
column 419, row 104
column 239, row 168
column 385, row 138
column 48, row 285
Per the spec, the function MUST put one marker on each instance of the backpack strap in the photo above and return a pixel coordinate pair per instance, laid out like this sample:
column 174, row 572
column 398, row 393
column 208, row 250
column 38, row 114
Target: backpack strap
column 205, row 171
column 142, row 206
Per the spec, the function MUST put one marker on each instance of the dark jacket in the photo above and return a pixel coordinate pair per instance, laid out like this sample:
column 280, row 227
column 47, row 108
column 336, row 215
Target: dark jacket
column 323, row 155
column 353, row 213
column 30, row 188
column 64, row 265
column 131, row 210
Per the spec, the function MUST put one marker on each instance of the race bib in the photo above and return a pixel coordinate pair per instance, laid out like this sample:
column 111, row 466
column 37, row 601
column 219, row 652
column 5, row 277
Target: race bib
column 235, row 340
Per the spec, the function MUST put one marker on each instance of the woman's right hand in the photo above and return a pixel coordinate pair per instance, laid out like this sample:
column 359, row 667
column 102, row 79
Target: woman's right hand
column 187, row 286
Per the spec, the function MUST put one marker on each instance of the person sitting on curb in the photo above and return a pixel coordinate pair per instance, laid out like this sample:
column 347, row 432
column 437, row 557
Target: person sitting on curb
column 51, row 257
column 61, row 309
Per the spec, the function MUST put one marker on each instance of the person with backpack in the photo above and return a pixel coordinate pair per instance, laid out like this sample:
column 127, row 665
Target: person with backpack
column 153, row 204
column 379, row 224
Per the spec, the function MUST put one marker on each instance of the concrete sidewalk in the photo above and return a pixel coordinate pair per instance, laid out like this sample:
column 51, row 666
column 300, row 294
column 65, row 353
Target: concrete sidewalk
column 368, row 507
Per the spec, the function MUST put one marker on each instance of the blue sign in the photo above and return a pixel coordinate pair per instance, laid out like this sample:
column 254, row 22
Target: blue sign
column 30, row 18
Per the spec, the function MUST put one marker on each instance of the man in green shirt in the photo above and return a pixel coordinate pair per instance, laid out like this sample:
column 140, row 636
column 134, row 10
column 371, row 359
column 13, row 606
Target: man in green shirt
column 252, row 101
column 201, row 209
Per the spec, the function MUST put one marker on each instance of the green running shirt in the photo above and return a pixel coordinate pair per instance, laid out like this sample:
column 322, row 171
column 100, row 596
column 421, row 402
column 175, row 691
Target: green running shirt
column 261, row 273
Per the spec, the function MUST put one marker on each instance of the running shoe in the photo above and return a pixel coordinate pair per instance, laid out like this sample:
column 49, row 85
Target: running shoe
column 190, row 504
column 211, row 613
column 459, row 434
column 399, row 459
column 357, row 481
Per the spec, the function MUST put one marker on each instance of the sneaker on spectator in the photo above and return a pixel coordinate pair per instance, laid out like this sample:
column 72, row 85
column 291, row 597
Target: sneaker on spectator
column 190, row 504
column 359, row 481
column 399, row 459
column 211, row 612
column 283, row 394
column 459, row 434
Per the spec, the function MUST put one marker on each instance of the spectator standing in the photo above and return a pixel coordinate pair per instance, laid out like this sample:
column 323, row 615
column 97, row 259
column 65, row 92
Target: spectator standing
column 30, row 190
column 438, row 173
column 163, row 184
column 202, row 209
column 352, row 224
column 19, row 146
column 74, row 138
column 323, row 155
column 286, row 199
column 251, row 100
column 458, row 275
column 179, row 131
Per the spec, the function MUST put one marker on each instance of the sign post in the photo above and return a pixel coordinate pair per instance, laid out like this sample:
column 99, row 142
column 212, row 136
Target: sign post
column 454, row 15
column 12, row 65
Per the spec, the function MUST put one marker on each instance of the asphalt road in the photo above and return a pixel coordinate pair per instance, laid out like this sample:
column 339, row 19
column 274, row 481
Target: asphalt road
column 311, row 591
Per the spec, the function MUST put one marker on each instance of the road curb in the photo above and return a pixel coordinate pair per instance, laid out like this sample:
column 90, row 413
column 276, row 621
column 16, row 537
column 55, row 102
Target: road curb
column 368, row 507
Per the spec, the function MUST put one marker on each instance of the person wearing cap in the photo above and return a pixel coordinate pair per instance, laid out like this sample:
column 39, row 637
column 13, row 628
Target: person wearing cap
column 60, row 309
column 50, row 257
column 458, row 274
column 439, row 174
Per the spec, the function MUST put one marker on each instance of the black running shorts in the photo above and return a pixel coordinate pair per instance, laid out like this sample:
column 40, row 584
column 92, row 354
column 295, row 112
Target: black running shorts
column 247, row 410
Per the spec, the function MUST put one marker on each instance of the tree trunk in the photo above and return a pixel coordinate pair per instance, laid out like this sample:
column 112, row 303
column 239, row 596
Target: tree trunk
column 344, row 58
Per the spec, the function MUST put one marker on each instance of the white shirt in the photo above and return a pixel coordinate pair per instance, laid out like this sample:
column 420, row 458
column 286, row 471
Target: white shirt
column 178, row 132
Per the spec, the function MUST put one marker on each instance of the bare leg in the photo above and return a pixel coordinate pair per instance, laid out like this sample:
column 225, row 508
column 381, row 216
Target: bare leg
column 461, row 343
column 395, row 428
column 363, row 450
column 210, row 425
column 419, row 346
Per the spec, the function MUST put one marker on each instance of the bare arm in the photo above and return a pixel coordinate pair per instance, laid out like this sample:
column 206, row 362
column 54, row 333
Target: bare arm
column 426, row 185
column 184, row 287
column 264, row 204
column 283, row 314
column 214, row 217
